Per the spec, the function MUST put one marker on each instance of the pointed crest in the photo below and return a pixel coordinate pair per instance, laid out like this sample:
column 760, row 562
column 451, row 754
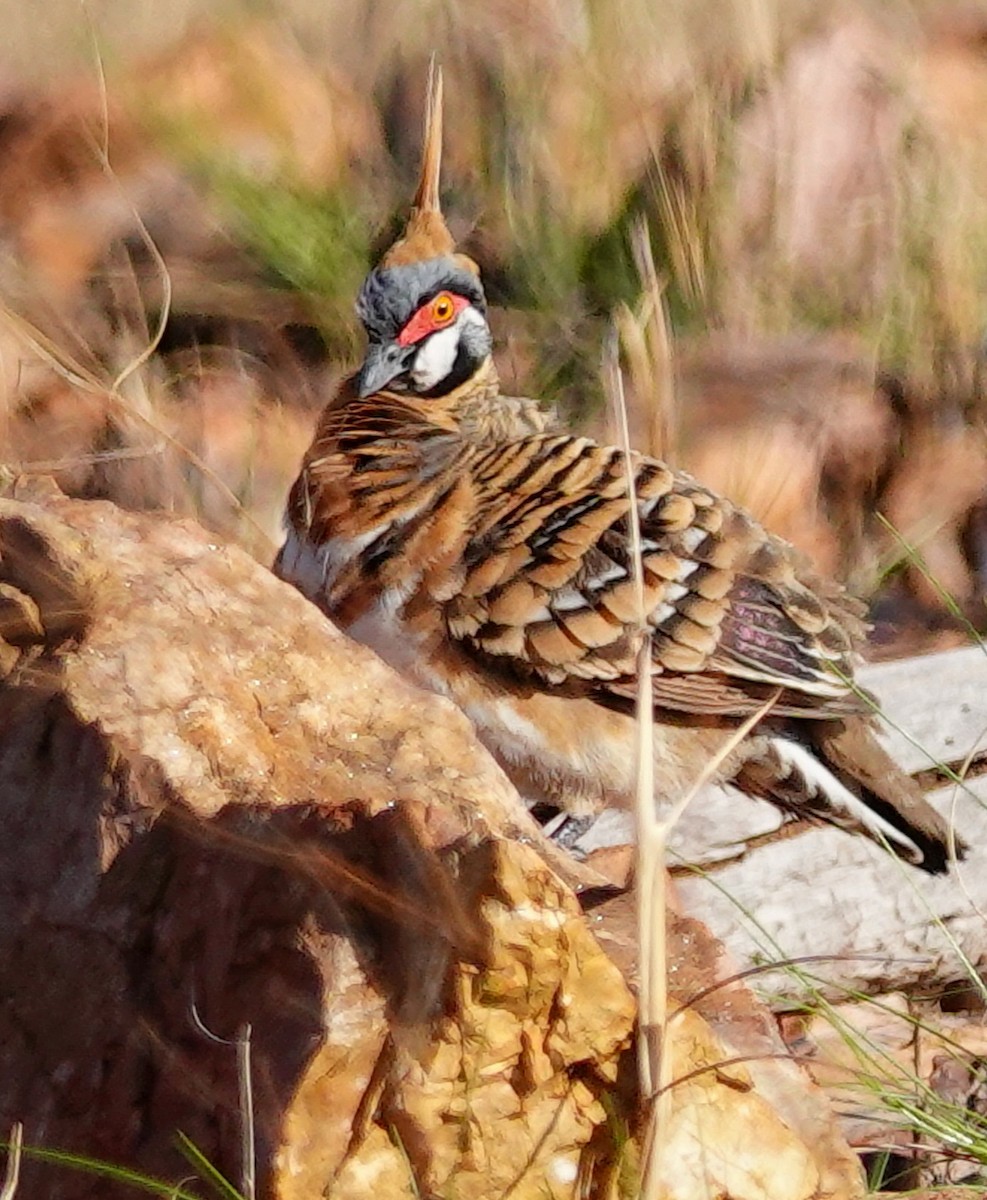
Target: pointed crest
column 427, row 196
column 426, row 235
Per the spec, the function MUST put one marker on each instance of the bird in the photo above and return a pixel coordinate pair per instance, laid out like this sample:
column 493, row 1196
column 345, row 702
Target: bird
column 486, row 553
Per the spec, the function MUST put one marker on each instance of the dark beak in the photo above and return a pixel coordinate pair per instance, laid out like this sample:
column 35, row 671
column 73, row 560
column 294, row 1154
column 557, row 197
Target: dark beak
column 384, row 362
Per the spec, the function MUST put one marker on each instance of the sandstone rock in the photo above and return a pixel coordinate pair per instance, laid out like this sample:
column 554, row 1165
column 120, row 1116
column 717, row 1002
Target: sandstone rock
column 220, row 813
column 730, row 1072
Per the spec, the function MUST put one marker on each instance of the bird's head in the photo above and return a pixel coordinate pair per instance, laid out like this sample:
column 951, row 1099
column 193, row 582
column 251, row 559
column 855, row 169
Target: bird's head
column 427, row 328
column 423, row 307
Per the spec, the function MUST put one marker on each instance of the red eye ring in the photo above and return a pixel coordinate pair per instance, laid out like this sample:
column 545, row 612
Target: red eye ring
column 436, row 314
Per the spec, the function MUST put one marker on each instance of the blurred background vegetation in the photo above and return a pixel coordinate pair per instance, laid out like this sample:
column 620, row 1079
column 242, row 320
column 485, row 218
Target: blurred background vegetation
column 780, row 205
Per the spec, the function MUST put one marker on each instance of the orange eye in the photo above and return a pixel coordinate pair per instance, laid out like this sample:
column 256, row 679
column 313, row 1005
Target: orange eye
column 443, row 309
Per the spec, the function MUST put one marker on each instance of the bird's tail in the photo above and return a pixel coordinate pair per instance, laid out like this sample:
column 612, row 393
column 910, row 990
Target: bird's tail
column 836, row 771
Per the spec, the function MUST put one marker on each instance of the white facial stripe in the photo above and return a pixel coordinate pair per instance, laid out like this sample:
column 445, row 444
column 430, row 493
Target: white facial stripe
column 435, row 359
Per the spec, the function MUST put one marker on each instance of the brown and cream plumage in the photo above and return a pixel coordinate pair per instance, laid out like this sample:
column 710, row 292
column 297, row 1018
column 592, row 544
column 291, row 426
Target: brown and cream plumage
column 486, row 554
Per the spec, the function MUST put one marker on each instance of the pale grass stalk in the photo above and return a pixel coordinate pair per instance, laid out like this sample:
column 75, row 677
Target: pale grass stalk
column 248, row 1139
column 646, row 342
column 681, row 221
column 647, row 868
column 103, row 155
column 51, row 466
column 655, row 1019
column 650, row 840
column 650, row 888
column 13, row 1172
column 652, row 833
column 657, row 336
column 245, row 1094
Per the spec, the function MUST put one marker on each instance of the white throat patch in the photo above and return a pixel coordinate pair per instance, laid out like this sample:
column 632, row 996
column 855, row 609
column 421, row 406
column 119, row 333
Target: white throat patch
column 435, row 359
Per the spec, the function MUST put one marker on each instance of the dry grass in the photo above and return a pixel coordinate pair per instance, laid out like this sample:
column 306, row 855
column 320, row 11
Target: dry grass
column 776, row 191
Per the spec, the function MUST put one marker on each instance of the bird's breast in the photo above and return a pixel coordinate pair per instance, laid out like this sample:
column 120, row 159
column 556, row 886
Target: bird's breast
column 574, row 753
column 374, row 615
column 319, row 569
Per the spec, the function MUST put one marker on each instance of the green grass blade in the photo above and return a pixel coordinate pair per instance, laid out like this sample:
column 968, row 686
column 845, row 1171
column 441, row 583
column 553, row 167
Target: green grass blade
column 105, row 1170
column 206, row 1169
